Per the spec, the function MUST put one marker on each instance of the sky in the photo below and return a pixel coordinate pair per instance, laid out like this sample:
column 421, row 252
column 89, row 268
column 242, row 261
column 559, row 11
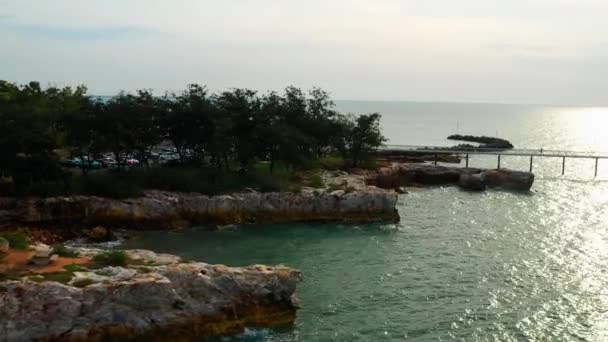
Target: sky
column 515, row 51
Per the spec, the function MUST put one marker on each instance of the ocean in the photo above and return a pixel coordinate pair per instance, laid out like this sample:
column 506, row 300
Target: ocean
column 460, row 266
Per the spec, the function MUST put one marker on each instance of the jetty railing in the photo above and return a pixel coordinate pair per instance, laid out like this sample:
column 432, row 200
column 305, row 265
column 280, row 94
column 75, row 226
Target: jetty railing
column 531, row 153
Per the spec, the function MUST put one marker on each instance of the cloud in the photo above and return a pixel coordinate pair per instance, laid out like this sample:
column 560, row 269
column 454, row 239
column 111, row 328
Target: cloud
column 76, row 33
column 478, row 50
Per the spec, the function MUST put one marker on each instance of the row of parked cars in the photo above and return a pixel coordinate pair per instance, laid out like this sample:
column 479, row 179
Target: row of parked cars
column 161, row 156
column 104, row 161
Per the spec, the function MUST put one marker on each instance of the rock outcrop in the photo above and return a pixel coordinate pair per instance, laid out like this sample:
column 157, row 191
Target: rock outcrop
column 165, row 300
column 398, row 175
column 158, row 209
column 483, row 141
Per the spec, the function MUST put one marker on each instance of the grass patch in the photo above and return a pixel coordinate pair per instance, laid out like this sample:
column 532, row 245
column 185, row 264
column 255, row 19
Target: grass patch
column 16, row 239
column 74, row 268
column 64, row 252
column 112, row 258
column 10, row 275
column 60, row 277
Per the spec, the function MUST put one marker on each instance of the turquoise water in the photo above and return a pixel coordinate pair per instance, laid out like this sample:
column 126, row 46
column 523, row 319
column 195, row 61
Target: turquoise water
column 493, row 266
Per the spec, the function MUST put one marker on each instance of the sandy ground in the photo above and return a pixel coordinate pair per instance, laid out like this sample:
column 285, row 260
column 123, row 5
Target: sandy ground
column 18, row 261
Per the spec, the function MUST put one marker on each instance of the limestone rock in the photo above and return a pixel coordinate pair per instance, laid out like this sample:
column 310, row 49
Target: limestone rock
column 42, row 255
column 159, row 209
column 176, row 301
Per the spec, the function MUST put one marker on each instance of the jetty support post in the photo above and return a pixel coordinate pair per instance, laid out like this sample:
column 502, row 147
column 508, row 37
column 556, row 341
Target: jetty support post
column 467, row 160
column 498, row 162
column 531, row 159
column 596, row 160
column 563, row 165
column 435, row 161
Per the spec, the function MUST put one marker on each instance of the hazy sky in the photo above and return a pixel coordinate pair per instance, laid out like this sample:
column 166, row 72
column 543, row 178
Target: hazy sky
column 521, row 51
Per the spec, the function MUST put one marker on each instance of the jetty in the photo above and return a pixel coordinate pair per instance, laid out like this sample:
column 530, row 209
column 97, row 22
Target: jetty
column 437, row 152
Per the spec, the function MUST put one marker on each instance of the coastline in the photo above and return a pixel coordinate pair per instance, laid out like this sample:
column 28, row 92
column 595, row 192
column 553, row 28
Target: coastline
column 363, row 196
column 192, row 299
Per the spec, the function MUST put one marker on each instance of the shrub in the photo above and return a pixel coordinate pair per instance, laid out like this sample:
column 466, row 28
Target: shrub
column 4, row 241
column 187, row 179
column 16, row 239
column 315, row 181
column 110, row 186
column 368, row 163
column 65, row 252
column 112, row 258
column 332, row 163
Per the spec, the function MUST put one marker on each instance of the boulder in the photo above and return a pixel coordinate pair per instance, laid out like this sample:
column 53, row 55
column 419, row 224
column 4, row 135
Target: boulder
column 400, row 190
column 508, row 179
column 42, row 255
column 472, row 181
column 100, row 234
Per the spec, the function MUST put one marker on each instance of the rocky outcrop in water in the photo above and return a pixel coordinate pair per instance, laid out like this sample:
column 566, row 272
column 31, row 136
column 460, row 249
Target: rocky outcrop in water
column 483, row 141
column 158, row 299
column 398, row 175
column 158, row 209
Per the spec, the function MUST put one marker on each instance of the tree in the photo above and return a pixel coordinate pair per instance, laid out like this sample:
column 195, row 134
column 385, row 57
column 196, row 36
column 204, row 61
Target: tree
column 145, row 115
column 28, row 135
column 114, row 127
column 243, row 108
column 186, row 120
column 364, row 137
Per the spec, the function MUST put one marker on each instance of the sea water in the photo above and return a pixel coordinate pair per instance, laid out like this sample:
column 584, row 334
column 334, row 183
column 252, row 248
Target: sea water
column 491, row 266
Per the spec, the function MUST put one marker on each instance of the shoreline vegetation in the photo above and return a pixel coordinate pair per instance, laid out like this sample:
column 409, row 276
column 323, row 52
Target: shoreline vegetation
column 216, row 143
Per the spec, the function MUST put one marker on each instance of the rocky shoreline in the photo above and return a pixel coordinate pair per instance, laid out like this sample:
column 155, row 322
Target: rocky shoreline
column 162, row 210
column 398, row 175
column 157, row 297
column 356, row 197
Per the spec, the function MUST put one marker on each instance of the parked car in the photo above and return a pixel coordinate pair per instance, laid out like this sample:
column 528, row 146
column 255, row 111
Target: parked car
column 86, row 163
column 107, row 162
column 132, row 161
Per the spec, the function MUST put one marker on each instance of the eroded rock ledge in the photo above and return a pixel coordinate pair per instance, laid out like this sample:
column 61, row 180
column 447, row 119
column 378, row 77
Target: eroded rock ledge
column 397, row 175
column 159, row 298
column 158, row 209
